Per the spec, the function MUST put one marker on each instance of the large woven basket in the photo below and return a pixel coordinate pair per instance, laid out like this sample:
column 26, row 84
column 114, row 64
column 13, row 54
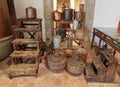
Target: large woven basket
column 57, row 62
column 75, row 66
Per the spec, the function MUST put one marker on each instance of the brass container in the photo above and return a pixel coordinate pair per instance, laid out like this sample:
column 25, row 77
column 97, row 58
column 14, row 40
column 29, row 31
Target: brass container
column 30, row 12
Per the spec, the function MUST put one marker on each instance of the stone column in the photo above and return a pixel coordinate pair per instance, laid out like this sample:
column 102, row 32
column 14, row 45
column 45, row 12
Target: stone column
column 48, row 8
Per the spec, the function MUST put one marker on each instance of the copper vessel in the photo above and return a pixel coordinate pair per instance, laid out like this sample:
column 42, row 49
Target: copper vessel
column 68, row 14
column 30, row 12
column 57, row 16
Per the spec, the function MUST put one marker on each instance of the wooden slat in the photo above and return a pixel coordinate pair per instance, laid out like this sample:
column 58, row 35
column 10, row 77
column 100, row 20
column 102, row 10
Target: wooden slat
column 108, row 56
column 24, row 54
column 25, row 41
column 27, row 30
column 23, row 67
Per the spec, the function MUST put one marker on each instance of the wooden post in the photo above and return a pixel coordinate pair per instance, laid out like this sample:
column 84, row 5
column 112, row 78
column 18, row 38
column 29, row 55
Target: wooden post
column 93, row 39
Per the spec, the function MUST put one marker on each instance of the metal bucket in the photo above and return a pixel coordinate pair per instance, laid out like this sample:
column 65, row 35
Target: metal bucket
column 56, row 41
column 68, row 14
column 30, row 12
column 69, row 42
column 75, row 24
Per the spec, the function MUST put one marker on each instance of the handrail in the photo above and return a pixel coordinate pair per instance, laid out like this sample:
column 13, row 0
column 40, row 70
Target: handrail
column 108, row 39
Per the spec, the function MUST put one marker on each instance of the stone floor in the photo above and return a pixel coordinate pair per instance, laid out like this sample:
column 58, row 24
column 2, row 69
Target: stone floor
column 47, row 78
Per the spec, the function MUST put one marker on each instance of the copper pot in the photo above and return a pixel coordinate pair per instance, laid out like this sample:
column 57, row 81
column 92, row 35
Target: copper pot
column 30, row 12
column 68, row 14
column 57, row 16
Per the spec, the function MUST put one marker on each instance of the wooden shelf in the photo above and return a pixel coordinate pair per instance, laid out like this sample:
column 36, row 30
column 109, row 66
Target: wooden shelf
column 25, row 41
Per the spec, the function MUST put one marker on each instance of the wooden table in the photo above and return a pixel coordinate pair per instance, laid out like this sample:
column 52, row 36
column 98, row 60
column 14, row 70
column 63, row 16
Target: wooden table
column 115, row 44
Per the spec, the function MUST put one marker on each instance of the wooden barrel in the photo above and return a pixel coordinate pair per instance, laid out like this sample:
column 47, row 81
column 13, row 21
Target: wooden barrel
column 75, row 66
column 56, row 62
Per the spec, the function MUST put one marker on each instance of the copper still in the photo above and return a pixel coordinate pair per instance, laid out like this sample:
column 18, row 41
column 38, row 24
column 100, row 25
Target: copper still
column 30, row 12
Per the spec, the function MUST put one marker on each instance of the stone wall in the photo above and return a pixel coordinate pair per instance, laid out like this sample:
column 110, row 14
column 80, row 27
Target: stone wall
column 89, row 9
column 48, row 8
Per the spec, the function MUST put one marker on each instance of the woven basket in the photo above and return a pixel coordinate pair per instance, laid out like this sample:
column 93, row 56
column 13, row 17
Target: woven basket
column 57, row 62
column 75, row 66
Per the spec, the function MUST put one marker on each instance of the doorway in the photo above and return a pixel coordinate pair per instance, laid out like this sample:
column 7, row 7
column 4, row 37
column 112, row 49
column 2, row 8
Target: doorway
column 74, row 4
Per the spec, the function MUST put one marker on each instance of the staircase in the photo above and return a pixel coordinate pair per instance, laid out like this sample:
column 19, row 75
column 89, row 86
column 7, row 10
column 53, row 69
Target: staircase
column 25, row 48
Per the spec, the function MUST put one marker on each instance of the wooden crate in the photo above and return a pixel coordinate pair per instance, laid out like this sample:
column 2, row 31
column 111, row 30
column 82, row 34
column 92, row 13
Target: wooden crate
column 111, row 65
column 90, row 73
column 22, row 69
column 100, row 69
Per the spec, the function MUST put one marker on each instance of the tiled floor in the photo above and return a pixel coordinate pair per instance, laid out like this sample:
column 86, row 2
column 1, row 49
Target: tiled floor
column 47, row 78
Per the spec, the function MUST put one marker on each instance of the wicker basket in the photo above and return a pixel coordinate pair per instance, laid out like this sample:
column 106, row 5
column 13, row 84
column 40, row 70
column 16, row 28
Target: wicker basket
column 57, row 62
column 75, row 66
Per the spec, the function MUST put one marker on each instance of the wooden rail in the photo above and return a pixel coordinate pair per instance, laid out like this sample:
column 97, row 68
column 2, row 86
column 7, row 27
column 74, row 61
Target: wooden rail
column 107, row 39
